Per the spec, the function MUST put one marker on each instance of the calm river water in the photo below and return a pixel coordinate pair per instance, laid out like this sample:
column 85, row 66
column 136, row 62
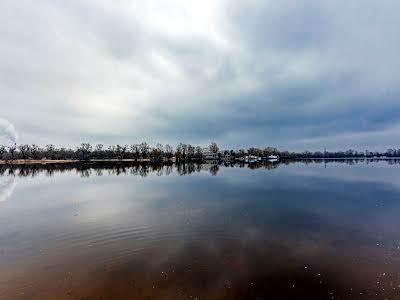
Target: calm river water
column 287, row 231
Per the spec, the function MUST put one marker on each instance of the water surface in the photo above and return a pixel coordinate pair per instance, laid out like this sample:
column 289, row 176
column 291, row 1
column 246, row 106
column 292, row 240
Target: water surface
column 289, row 231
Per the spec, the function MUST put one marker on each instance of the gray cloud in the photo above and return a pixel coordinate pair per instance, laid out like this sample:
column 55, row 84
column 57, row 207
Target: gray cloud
column 298, row 75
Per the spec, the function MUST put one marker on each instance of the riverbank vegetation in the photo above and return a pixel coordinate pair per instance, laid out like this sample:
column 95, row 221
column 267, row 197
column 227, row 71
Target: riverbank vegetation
column 162, row 153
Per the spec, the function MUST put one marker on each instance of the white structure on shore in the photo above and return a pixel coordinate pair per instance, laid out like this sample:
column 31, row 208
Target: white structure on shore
column 252, row 158
column 209, row 155
column 272, row 157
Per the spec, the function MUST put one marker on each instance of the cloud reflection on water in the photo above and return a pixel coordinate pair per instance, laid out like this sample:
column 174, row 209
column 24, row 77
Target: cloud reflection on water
column 243, row 234
column 7, row 186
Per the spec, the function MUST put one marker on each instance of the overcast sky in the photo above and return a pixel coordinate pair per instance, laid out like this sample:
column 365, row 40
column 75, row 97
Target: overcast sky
column 293, row 74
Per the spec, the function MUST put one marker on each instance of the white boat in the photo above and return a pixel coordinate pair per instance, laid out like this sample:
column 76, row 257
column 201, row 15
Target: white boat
column 252, row 158
column 273, row 157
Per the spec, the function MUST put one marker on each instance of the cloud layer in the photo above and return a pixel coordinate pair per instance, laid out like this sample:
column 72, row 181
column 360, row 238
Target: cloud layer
column 297, row 75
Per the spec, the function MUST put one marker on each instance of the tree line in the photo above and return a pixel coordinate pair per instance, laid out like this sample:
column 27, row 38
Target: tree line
column 181, row 153
column 85, row 151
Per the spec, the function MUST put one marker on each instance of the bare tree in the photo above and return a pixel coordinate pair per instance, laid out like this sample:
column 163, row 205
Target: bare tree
column 135, row 150
column 157, row 153
column 179, row 152
column 241, row 153
column 121, row 150
column 198, row 153
column 190, row 151
column 214, row 147
column 50, row 149
column 184, row 151
column 24, row 149
column 84, row 151
column 35, row 150
column 160, row 147
column 99, row 151
column 144, row 149
column 12, row 149
column 168, row 151
column 3, row 151
column 110, row 152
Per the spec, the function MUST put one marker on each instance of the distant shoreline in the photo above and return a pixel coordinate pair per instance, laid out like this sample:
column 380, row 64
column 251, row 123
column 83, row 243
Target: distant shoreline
column 66, row 161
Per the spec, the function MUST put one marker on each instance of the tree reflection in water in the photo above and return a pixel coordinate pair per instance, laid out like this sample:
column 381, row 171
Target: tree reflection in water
column 143, row 169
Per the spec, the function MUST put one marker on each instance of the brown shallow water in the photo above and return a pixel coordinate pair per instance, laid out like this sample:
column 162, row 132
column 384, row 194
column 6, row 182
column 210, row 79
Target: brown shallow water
column 140, row 232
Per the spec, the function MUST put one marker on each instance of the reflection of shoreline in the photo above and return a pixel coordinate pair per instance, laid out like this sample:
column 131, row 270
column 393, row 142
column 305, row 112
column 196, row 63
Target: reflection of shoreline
column 144, row 168
column 237, row 162
column 7, row 187
column 63, row 161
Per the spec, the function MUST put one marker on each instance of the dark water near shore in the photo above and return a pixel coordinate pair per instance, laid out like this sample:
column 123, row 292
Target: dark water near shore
column 289, row 231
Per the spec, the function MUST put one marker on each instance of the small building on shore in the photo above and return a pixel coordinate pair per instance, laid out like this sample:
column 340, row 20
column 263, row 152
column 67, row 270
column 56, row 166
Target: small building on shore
column 210, row 155
column 227, row 156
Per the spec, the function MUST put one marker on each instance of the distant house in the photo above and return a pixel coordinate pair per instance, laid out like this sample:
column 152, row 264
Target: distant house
column 270, row 157
column 209, row 155
column 252, row 158
column 227, row 156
